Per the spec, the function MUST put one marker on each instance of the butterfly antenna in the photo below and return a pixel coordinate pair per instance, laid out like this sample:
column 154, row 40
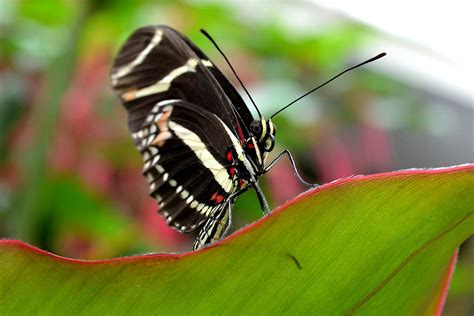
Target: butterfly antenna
column 232, row 68
column 325, row 83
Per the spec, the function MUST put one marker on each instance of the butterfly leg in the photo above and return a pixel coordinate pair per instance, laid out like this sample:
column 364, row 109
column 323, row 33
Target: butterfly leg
column 213, row 229
column 293, row 165
column 261, row 199
column 218, row 224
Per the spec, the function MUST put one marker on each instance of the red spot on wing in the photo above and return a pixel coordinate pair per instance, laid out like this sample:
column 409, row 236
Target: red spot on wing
column 229, row 156
column 240, row 132
column 250, row 146
column 217, row 197
column 232, row 171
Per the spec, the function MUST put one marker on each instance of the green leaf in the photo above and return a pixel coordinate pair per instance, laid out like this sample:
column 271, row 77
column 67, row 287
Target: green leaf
column 377, row 244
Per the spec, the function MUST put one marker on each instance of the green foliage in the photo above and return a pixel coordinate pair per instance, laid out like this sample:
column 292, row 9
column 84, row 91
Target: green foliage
column 367, row 245
column 67, row 209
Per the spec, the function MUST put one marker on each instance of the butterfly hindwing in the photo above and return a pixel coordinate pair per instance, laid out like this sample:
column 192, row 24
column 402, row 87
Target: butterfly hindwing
column 186, row 167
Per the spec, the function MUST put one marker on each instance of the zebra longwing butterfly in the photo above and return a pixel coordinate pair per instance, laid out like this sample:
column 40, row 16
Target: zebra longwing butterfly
column 200, row 144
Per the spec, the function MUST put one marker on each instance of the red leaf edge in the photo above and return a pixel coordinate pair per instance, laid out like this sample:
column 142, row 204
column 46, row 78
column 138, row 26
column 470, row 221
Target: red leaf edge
column 446, row 282
column 172, row 256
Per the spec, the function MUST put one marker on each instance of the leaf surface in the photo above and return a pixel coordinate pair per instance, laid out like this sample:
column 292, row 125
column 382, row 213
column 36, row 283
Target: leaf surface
column 379, row 244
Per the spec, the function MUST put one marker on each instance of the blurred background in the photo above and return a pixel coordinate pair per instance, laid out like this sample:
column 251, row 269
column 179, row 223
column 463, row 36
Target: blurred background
column 70, row 177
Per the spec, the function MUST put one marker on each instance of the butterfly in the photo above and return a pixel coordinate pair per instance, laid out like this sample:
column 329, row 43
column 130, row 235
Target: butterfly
column 200, row 144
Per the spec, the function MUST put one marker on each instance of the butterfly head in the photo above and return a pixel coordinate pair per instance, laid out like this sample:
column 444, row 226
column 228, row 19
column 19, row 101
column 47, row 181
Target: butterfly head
column 264, row 132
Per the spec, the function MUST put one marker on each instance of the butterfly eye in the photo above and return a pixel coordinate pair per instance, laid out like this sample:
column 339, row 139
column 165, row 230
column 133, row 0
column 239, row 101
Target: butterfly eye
column 269, row 143
column 256, row 128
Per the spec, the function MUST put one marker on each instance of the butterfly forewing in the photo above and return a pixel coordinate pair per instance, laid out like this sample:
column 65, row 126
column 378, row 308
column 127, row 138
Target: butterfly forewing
column 157, row 63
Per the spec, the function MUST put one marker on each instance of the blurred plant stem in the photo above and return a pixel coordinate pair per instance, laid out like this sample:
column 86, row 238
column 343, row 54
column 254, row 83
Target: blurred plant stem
column 46, row 113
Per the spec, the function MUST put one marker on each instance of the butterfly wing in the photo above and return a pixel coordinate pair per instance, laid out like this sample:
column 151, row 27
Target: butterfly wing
column 157, row 63
column 186, row 167
column 184, row 115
